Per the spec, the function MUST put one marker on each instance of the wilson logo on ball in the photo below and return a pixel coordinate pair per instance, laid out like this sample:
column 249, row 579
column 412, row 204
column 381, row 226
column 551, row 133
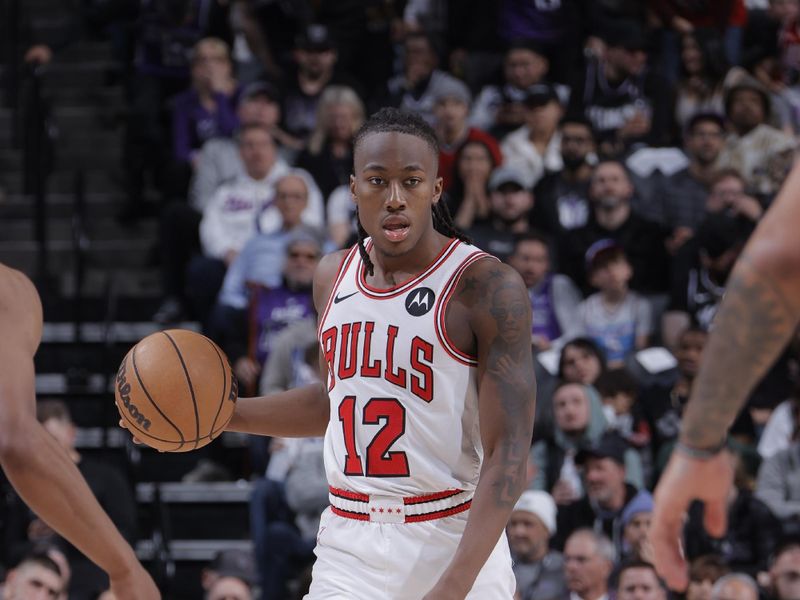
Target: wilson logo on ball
column 124, row 391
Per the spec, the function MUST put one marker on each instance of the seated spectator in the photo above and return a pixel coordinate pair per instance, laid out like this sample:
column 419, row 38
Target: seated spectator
column 236, row 564
column 588, row 560
column 108, row 484
column 700, row 272
column 499, row 109
column 415, row 89
column 579, row 422
column 735, row 586
column 341, row 217
column 635, row 521
column 616, row 318
column 619, row 393
column 511, row 200
column 663, row 404
column 608, row 464
column 237, row 211
column 784, row 571
column 638, row 580
column 468, row 196
column 752, row 534
column 704, row 572
column 206, row 110
column 554, row 298
column 293, row 350
column 562, row 198
column 627, row 103
column 538, row 569
column 253, row 308
column 761, row 153
column 681, row 206
column 728, row 196
column 581, row 361
column 329, row 154
column 35, row 576
column 778, row 483
column 611, row 193
column 450, row 111
column 700, row 86
column 536, row 146
column 230, row 588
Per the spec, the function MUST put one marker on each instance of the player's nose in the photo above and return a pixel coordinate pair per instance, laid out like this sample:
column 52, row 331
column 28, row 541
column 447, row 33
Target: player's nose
column 395, row 198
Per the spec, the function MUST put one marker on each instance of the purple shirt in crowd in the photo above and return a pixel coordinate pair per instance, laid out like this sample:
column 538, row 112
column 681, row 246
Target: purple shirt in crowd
column 193, row 125
column 544, row 321
column 272, row 310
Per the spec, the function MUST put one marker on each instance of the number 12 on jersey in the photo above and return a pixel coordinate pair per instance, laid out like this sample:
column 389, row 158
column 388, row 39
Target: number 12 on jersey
column 380, row 460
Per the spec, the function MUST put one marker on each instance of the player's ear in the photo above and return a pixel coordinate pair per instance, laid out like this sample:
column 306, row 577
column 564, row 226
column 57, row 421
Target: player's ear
column 438, row 188
column 353, row 188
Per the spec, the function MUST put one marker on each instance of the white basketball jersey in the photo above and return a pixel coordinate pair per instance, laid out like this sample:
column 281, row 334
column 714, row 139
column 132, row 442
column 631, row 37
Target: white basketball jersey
column 404, row 401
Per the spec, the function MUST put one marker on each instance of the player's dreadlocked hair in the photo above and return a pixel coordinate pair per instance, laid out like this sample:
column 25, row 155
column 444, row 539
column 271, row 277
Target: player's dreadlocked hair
column 388, row 120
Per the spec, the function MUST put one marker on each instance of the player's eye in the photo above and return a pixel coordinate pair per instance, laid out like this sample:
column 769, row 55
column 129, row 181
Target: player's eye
column 375, row 180
column 413, row 181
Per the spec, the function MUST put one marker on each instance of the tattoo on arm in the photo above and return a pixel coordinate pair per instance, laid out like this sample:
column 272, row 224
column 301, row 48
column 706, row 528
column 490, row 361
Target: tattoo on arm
column 751, row 328
column 509, row 364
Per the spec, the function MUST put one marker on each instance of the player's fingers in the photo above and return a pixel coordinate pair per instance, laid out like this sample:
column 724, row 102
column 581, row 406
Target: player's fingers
column 715, row 518
column 124, row 425
column 665, row 534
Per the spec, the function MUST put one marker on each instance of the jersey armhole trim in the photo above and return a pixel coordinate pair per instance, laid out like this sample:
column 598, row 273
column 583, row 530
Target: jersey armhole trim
column 343, row 267
column 441, row 310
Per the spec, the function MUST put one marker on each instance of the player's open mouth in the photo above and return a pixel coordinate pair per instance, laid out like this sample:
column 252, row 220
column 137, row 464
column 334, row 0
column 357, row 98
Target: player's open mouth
column 395, row 230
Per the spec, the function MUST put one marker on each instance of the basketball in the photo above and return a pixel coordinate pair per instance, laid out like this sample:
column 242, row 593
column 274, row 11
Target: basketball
column 175, row 390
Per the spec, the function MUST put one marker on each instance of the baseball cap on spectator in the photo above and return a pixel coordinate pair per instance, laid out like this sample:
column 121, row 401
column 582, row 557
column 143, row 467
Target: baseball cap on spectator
column 315, row 38
column 601, row 252
column 610, row 445
column 741, row 80
column 234, row 563
column 540, row 94
column 718, row 233
column 451, row 87
column 260, row 89
column 625, row 33
column 510, row 174
column 541, row 505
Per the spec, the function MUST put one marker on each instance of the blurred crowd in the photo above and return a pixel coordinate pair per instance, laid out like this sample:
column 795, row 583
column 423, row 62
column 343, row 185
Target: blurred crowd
column 617, row 153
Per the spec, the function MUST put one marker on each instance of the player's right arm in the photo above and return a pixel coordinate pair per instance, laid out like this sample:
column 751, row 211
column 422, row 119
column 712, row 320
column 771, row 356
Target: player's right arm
column 38, row 468
column 303, row 411
column 758, row 315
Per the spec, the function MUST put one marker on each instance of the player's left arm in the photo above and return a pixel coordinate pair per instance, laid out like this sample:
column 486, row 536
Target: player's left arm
column 499, row 314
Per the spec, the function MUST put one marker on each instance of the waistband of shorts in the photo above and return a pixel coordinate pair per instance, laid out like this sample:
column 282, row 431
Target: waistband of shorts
column 378, row 508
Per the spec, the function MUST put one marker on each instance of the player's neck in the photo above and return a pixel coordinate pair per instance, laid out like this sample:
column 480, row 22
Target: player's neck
column 390, row 271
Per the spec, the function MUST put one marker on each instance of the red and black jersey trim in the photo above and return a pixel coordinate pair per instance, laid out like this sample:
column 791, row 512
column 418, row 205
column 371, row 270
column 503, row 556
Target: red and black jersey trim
column 431, row 497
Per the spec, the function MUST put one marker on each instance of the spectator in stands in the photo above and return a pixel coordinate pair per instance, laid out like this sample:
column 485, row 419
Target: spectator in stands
column 109, row 486
column 683, row 195
column 635, row 521
column 607, row 491
column 761, row 153
column 341, row 217
column 450, row 110
column 779, row 482
column 562, row 198
column 415, row 89
column 206, row 109
column 700, row 272
column 784, row 571
column 735, row 586
column 643, row 241
column 289, row 360
column 627, row 103
column 700, row 86
column 704, row 572
column 499, row 109
column 536, row 146
column 36, row 576
column 511, row 200
column 619, row 393
column 538, row 569
column 663, row 404
column 253, row 306
column 581, row 361
column 230, row 588
column 588, row 560
column 329, row 154
column 554, row 298
column 729, row 196
column 468, row 196
column 619, row 320
column 638, row 580
column 228, row 563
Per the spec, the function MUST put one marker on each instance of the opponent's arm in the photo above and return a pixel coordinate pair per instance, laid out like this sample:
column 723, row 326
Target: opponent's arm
column 500, row 317
column 304, row 411
column 38, row 468
column 758, row 315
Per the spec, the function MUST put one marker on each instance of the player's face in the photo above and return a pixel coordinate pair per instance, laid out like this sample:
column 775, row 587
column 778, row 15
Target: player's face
column 571, row 408
column 531, row 260
column 640, row 584
column 395, row 186
column 527, row 535
column 33, row 582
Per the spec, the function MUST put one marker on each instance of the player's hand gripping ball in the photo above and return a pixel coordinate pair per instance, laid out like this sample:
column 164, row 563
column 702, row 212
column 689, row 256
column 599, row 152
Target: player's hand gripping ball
column 175, row 390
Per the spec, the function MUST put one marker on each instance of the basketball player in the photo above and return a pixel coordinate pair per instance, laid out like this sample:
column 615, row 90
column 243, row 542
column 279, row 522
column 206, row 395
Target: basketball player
column 427, row 408
column 36, row 465
column 757, row 317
